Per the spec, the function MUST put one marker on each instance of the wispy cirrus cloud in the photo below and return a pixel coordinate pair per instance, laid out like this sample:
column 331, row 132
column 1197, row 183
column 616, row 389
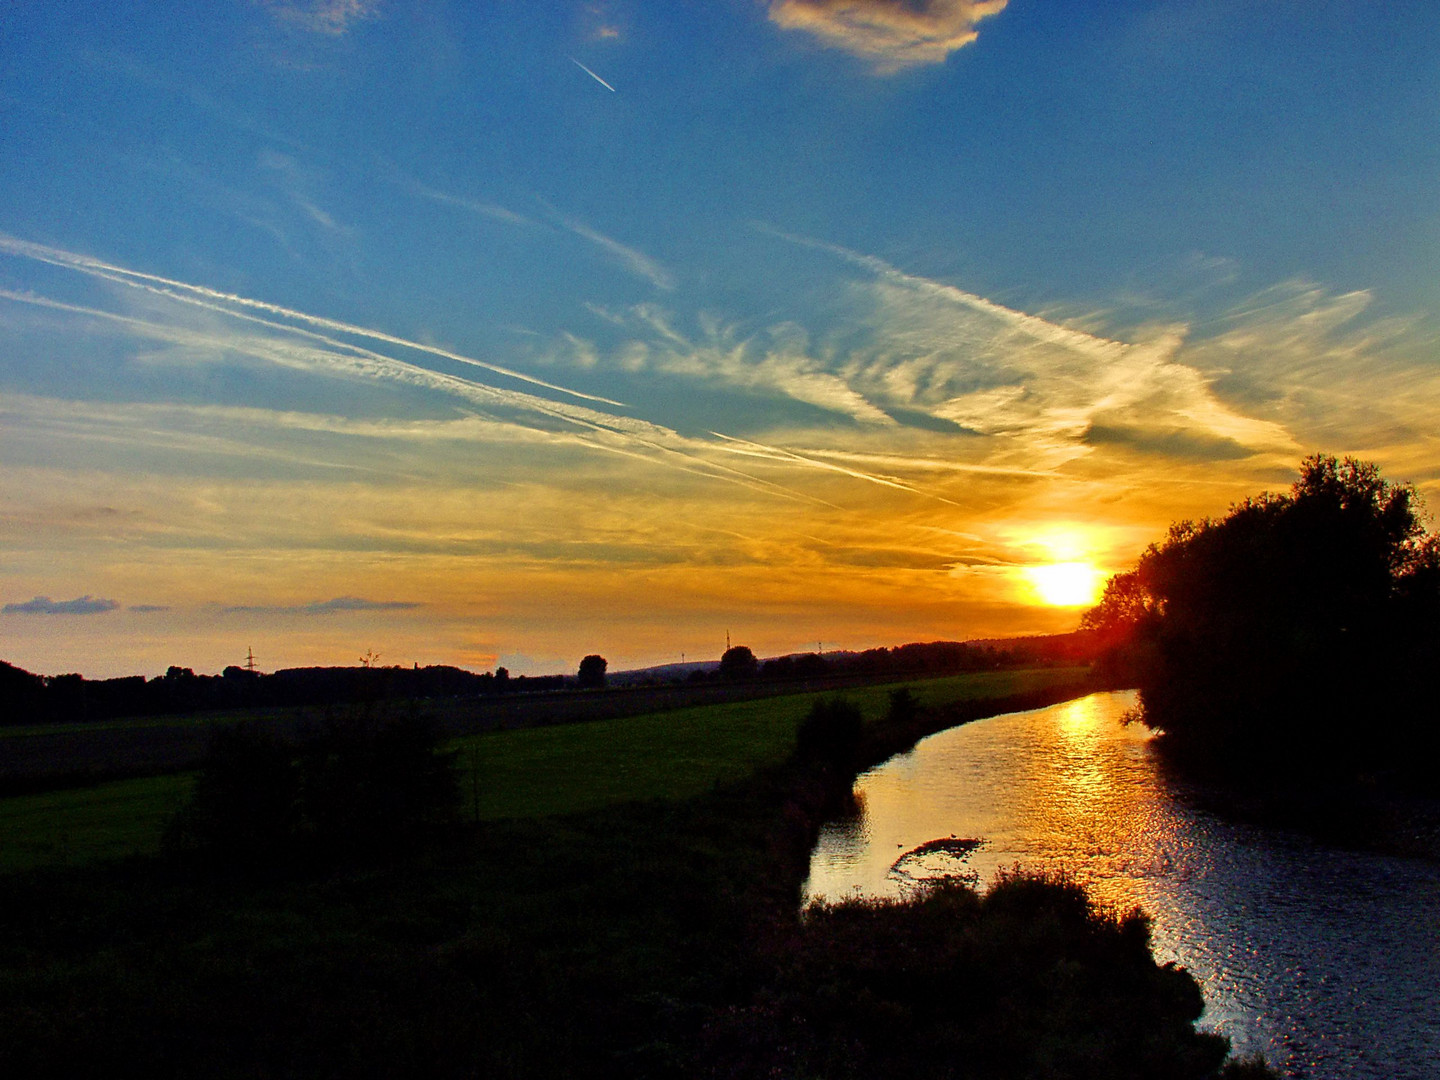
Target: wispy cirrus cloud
column 891, row 35
column 775, row 362
column 628, row 258
column 43, row 605
column 293, row 339
column 1030, row 393
column 332, row 17
column 482, row 207
column 637, row 262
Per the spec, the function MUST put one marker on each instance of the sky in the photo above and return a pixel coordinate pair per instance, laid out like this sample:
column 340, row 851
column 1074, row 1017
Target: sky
column 502, row 333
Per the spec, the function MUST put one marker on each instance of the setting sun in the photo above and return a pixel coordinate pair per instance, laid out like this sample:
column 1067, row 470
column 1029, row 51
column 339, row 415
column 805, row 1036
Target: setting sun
column 1068, row 584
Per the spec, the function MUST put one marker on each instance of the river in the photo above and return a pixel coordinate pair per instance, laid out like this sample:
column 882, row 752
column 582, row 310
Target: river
column 1325, row 961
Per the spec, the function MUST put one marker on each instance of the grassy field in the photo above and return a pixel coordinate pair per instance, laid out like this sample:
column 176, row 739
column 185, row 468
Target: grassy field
column 622, row 910
column 515, row 774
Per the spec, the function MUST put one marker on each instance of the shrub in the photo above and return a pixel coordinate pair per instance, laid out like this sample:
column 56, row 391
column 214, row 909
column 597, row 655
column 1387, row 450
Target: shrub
column 246, row 798
column 375, row 781
column 830, row 732
column 364, row 781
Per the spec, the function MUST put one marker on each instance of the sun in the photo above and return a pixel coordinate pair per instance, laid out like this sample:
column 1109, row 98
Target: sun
column 1066, row 584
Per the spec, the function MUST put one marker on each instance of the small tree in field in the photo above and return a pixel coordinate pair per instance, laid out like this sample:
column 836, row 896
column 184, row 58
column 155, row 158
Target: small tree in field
column 592, row 673
column 738, row 662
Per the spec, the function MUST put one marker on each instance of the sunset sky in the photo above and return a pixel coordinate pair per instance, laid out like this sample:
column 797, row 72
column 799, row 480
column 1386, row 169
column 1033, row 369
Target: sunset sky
column 501, row 333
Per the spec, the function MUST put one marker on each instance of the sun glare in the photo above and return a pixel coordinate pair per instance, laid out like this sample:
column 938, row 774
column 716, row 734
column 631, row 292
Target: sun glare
column 1066, row 584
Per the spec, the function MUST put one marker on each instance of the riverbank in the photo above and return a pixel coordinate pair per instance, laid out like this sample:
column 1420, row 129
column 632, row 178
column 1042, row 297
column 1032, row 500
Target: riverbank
column 644, row 938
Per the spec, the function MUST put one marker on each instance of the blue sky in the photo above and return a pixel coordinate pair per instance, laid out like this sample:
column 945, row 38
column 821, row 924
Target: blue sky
column 504, row 333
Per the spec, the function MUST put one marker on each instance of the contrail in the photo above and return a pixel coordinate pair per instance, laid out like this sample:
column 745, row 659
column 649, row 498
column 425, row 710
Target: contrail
column 597, row 78
column 95, row 268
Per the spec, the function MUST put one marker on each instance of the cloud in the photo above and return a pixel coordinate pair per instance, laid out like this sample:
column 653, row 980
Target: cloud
column 637, row 262
column 147, row 609
column 890, row 34
column 1033, row 384
column 494, row 211
column 332, row 17
column 43, row 605
column 325, row 607
column 776, row 362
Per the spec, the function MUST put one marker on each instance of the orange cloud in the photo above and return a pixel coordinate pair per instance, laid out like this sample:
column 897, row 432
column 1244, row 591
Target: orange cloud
column 891, row 34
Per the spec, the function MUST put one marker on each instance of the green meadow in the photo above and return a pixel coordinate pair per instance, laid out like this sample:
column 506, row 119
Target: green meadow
column 627, row 905
column 524, row 773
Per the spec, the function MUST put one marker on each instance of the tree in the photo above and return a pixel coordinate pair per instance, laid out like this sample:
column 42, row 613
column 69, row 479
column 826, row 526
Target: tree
column 738, row 662
column 592, row 673
column 1269, row 634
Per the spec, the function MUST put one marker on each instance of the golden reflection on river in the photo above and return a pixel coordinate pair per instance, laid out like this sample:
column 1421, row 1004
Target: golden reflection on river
column 1056, row 787
column 1325, row 961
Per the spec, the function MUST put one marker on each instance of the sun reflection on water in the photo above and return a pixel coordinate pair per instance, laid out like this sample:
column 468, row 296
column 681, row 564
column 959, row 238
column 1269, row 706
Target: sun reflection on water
column 1299, row 950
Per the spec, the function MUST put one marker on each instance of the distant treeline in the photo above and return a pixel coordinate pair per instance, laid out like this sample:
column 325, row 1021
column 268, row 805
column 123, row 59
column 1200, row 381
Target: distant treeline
column 39, row 699
column 938, row 658
column 26, row 698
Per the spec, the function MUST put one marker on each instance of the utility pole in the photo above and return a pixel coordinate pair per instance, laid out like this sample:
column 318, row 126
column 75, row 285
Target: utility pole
column 250, row 660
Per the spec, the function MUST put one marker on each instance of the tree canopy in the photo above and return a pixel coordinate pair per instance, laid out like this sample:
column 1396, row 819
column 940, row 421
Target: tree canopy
column 591, row 675
column 1296, row 628
column 738, row 662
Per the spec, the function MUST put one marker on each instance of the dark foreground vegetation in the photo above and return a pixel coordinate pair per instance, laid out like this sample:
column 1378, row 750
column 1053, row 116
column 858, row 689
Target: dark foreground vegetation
column 1291, row 646
column 644, row 939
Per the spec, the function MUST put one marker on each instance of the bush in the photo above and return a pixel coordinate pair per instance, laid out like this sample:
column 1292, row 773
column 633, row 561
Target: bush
column 246, row 799
column 361, row 782
column 375, row 781
column 1030, row 980
column 830, row 733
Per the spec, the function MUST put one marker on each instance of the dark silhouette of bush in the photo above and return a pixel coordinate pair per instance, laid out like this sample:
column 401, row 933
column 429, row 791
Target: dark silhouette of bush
column 1029, row 980
column 246, row 800
column 1266, row 636
column 365, row 781
column 830, row 733
column 592, row 673
column 903, row 709
column 373, row 781
column 738, row 663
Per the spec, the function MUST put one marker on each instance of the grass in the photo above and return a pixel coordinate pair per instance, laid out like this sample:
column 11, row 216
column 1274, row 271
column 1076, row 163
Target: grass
column 653, row 935
column 77, row 826
column 526, row 773
column 681, row 753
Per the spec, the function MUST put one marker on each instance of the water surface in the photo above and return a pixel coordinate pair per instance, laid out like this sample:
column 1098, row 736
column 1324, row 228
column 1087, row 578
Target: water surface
column 1326, row 961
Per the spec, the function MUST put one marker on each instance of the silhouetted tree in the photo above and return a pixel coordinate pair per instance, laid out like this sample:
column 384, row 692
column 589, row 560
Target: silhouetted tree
column 830, row 733
column 1295, row 629
column 738, row 662
column 592, row 673
column 22, row 696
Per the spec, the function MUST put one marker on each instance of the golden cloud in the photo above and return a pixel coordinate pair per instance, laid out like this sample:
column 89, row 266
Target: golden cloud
column 891, row 34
